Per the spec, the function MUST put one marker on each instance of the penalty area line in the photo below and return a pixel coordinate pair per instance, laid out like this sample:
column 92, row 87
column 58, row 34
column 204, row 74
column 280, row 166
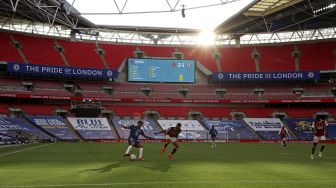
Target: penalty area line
column 21, row 150
column 158, row 183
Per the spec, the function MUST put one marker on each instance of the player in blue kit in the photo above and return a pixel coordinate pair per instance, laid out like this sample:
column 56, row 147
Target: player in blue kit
column 133, row 139
column 213, row 132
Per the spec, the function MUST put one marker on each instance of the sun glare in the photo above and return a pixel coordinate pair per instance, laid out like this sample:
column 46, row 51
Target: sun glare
column 206, row 38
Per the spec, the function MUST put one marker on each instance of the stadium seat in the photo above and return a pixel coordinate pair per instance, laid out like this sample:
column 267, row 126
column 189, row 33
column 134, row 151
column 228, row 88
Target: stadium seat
column 40, row 50
column 81, row 54
column 7, row 51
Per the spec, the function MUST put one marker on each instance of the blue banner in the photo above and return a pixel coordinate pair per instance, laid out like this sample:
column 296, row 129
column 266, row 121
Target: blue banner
column 11, row 125
column 235, row 129
column 38, row 70
column 8, row 129
column 54, row 125
column 301, row 127
column 150, row 127
column 265, row 76
column 93, row 128
column 6, row 139
column 331, row 131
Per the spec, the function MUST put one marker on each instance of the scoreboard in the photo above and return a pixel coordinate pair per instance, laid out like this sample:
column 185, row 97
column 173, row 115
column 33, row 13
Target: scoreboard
column 161, row 70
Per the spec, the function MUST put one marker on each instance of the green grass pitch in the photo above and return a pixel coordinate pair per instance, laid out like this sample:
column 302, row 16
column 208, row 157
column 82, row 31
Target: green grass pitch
column 237, row 165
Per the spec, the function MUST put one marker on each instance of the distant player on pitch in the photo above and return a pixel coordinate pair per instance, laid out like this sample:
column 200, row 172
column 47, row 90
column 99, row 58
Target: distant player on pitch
column 133, row 139
column 283, row 136
column 171, row 136
column 320, row 135
column 213, row 133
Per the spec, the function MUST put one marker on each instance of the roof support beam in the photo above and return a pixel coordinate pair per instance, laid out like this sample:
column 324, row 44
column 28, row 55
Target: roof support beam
column 14, row 4
column 53, row 21
column 172, row 8
column 122, row 9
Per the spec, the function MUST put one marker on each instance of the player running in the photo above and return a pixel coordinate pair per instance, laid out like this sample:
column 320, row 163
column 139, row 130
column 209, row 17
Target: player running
column 283, row 136
column 320, row 135
column 171, row 135
column 133, row 139
column 213, row 133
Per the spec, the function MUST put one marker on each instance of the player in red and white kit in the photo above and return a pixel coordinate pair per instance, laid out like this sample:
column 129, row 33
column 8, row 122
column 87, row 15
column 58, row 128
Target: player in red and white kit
column 320, row 127
column 283, row 136
column 171, row 136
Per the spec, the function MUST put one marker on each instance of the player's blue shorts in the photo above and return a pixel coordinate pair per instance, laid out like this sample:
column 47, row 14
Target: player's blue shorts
column 133, row 142
column 213, row 137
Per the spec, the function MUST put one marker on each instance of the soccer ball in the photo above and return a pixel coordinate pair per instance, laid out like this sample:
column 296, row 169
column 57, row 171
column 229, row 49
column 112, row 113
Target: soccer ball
column 133, row 157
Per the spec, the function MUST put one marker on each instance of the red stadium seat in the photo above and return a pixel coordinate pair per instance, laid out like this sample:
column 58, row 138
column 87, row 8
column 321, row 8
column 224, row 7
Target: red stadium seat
column 40, row 50
column 4, row 108
column 36, row 109
column 276, row 58
column 81, row 54
column 7, row 51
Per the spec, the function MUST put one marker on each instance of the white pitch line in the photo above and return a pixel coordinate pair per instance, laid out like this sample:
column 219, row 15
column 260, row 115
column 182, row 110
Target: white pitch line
column 153, row 183
column 11, row 145
column 23, row 150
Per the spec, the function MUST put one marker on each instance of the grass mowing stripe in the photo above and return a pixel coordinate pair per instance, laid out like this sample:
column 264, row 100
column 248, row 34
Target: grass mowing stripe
column 234, row 165
column 21, row 150
column 155, row 182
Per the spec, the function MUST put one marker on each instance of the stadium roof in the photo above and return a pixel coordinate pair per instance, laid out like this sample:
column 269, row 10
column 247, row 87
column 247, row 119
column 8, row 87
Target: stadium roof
column 162, row 21
column 225, row 16
column 266, row 7
column 174, row 14
column 282, row 15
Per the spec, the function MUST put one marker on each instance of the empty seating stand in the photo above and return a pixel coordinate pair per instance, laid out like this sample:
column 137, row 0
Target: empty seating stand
column 256, row 112
column 52, row 92
column 4, row 109
column 172, row 111
column 317, row 56
column 91, row 86
column 157, row 52
column 36, row 109
column 125, row 87
column 92, row 94
column 237, row 59
column 127, row 110
column 299, row 112
column 7, row 50
column 116, row 54
column 40, row 50
column 203, row 55
column 10, row 82
column 214, row 111
column 166, row 96
column 276, row 58
column 48, row 84
column 129, row 95
column 81, row 54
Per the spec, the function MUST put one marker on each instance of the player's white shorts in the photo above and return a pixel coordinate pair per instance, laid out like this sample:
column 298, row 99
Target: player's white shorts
column 317, row 139
column 171, row 139
column 284, row 139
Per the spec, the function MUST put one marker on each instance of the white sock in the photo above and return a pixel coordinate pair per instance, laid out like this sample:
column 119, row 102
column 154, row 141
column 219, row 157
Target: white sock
column 140, row 152
column 128, row 149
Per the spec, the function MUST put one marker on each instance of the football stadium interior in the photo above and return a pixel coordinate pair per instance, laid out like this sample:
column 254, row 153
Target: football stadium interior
column 71, row 76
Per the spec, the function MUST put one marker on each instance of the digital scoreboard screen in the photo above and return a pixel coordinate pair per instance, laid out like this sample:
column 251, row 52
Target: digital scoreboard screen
column 161, row 70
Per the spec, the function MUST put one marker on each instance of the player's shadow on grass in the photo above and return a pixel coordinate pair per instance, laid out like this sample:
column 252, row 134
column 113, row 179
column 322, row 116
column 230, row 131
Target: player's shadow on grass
column 162, row 166
column 108, row 167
